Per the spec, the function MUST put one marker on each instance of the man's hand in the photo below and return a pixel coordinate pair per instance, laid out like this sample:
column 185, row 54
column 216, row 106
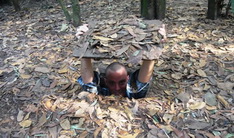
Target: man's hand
column 155, row 52
column 163, row 32
column 81, row 30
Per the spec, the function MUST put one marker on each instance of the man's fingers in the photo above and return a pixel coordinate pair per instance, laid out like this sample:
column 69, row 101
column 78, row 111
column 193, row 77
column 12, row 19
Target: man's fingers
column 163, row 32
column 81, row 30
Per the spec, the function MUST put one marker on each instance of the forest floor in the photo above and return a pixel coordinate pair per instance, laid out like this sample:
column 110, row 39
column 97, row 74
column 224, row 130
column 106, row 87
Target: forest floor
column 192, row 91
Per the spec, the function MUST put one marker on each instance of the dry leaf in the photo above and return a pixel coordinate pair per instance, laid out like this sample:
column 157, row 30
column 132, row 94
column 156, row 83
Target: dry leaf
column 201, row 73
column 141, row 37
column 130, row 30
column 210, row 99
column 227, row 86
column 121, row 51
column 197, row 105
column 97, row 131
column 114, row 35
column 202, row 63
column 102, row 38
column 20, row 116
column 184, row 97
column 83, row 134
column 53, row 132
column 63, row 70
column 194, row 124
column 80, row 112
column 223, row 101
column 105, row 133
column 168, row 118
column 27, row 116
column 128, row 112
column 211, row 107
column 42, row 69
column 177, row 76
column 42, row 120
column 65, row 124
column 134, row 135
column 25, row 76
column 31, row 108
column 25, row 123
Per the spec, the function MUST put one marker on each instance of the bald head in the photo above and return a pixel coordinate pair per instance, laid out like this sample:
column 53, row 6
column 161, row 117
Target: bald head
column 114, row 67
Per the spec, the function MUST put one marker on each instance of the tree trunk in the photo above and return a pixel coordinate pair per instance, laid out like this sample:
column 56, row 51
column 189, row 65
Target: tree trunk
column 215, row 9
column 65, row 11
column 153, row 9
column 148, row 9
column 76, row 13
column 212, row 9
column 16, row 5
column 160, row 9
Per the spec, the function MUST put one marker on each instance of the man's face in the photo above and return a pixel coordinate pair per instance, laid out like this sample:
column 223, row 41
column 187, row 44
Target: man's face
column 116, row 81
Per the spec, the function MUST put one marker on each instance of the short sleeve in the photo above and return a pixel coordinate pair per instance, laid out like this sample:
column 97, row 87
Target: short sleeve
column 92, row 86
column 136, row 89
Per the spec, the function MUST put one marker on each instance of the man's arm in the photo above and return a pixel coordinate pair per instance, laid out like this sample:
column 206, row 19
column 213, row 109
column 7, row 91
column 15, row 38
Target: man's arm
column 147, row 66
column 146, row 71
column 87, row 70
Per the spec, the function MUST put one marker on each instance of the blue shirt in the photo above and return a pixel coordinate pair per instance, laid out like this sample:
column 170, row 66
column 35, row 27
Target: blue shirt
column 135, row 89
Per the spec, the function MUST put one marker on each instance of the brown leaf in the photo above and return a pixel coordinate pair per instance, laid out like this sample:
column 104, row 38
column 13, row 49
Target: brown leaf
column 97, row 131
column 102, row 38
column 42, row 120
column 53, row 132
column 63, row 70
column 20, row 116
column 31, row 108
column 140, row 37
column 25, row 76
column 202, row 63
column 184, row 97
column 197, row 105
column 121, row 51
column 210, row 99
column 201, row 73
column 65, row 124
column 168, row 118
column 53, row 84
column 42, row 69
column 223, row 101
column 83, row 134
column 134, row 135
column 130, row 30
column 193, row 124
column 154, row 53
column 25, row 123
column 227, row 86
column 177, row 76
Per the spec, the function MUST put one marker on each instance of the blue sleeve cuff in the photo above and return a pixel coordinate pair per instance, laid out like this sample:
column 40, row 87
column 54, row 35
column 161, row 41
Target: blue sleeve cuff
column 92, row 86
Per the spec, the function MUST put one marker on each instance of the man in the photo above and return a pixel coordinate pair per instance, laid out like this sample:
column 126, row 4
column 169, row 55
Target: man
column 116, row 80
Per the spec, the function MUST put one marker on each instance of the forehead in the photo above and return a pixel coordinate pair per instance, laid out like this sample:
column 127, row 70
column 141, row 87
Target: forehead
column 117, row 75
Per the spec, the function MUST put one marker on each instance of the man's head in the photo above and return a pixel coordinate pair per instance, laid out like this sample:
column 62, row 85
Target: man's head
column 116, row 78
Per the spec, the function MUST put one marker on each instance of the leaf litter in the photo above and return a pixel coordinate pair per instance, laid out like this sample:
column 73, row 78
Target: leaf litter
column 191, row 93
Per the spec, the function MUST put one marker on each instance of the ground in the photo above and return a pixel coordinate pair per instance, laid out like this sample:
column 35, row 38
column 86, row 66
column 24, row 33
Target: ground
column 192, row 90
